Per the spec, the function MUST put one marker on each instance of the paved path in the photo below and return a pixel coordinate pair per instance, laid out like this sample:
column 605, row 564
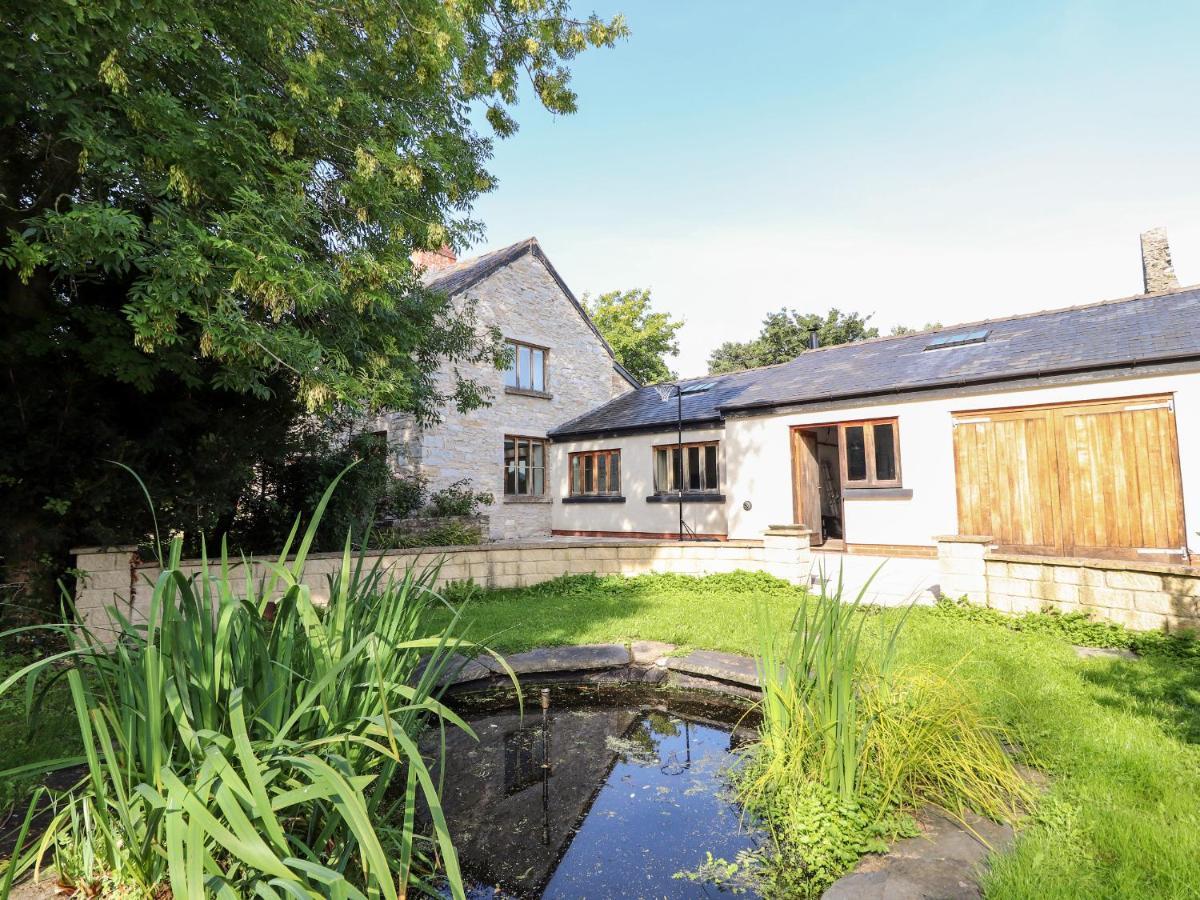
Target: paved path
column 901, row 580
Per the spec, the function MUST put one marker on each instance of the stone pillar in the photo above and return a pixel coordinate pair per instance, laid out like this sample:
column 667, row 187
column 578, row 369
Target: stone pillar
column 962, row 567
column 105, row 576
column 787, row 552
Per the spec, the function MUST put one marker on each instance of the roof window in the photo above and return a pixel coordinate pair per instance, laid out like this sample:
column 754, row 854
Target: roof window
column 958, row 339
column 696, row 388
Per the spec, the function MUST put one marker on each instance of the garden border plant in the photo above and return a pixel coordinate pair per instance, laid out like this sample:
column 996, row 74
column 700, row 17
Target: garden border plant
column 251, row 743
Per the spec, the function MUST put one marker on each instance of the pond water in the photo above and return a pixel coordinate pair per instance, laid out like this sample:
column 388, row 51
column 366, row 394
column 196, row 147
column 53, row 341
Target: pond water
column 610, row 794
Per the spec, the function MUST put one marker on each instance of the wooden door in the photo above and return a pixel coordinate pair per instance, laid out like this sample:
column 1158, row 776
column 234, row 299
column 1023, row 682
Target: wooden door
column 1008, row 480
column 1090, row 479
column 807, row 479
column 1124, row 492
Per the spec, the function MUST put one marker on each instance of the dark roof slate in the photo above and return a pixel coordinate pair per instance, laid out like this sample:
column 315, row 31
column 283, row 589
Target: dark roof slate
column 1113, row 334
column 466, row 273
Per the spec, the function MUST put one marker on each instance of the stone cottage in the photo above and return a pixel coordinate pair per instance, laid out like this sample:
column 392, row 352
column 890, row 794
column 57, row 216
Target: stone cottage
column 562, row 367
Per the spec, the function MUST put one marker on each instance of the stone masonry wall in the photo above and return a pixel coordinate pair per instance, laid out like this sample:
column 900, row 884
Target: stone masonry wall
column 117, row 576
column 1144, row 596
column 526, row 304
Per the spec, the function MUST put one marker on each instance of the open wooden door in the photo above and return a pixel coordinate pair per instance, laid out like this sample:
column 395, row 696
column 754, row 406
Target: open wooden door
column 806, row 476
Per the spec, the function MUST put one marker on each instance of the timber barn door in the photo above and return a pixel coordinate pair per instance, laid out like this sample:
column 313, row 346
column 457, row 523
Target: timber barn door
column 1088, row 479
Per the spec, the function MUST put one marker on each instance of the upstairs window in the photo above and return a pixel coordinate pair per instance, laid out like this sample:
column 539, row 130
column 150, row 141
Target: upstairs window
column 595, row 473
column 692, row 469
column 871, row 453
column 527, row 371
column 524, row 466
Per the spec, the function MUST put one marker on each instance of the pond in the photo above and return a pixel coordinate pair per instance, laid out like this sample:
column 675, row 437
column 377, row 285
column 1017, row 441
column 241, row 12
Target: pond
column 609, row 793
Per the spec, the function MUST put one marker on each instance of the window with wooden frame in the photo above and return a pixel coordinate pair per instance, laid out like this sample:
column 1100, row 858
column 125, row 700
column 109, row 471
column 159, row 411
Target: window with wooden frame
column 524, row 466
column 870, row 453
column 527, row 370
column 692, row 468
column 595, row 473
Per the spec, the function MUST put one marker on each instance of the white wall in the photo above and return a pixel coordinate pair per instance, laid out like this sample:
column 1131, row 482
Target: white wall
column 759, row 454
column 637, row 483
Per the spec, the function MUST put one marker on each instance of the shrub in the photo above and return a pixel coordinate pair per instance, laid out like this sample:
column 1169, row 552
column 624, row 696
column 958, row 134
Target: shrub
column 445, row 534
column 240, row 745
column 459, row 500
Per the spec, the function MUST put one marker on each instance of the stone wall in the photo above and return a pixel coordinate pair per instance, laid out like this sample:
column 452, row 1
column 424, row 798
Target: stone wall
column 524, row 301
column 423, row 525
column 116, row 575
column 1144, row 596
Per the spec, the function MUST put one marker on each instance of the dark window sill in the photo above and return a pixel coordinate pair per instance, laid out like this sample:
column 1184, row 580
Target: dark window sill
column 527, row 392
column 687, row 498
column 879, row 493
column 594, row 498
column 525, row 498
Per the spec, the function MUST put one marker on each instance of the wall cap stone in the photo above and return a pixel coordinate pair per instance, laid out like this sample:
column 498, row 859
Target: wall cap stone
column 116, row 548
column 1110, row 565
column 963, row 539
column 787, row 530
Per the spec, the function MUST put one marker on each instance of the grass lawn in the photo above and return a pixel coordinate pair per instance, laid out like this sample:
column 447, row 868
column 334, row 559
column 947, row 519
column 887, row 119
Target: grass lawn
column 1120, row 740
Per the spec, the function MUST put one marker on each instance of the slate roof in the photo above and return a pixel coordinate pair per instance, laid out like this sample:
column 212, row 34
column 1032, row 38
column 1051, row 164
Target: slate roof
column 466, row 273
column 1114, row 334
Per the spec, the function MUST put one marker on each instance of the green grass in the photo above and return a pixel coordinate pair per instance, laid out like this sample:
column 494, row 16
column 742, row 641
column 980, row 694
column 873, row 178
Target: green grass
column 1119, row 740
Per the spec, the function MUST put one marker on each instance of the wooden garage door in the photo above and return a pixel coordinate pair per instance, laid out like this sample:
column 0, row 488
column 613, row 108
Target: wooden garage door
column 1092, row 479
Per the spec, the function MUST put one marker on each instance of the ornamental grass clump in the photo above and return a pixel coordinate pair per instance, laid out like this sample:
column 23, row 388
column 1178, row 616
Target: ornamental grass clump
column 244, row 741
column 850, row 744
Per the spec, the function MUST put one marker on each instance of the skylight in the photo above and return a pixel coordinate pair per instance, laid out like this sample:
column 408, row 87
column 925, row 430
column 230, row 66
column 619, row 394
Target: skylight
column 696, row 388
column 958, row 339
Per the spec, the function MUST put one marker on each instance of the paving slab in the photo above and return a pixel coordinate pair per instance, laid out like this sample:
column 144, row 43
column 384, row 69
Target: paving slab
column 1106, row 653
column 649, row 653
column 722, row 666
column 944, row 863
column 581, row 658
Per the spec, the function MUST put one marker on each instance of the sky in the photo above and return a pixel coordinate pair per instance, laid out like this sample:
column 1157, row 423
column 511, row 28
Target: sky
column 918, row 161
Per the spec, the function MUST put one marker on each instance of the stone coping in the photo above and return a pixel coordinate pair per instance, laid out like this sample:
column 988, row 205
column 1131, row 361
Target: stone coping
column 641, row 661
column 963, row 538
column 560, row 544
column 788, row 530
column 1080, row 562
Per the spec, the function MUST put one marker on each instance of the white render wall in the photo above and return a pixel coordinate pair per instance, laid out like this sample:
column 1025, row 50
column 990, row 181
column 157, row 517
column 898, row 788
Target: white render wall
column 525, row 302
column 637, row 483
column 759, row 453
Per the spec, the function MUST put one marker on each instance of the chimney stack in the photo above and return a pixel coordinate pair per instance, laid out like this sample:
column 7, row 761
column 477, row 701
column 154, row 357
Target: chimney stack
column 814, row 339
column 1157, row 271
column 432, row 260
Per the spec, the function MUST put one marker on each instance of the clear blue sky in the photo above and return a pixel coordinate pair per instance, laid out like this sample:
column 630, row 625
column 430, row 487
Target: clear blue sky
column 919, row 161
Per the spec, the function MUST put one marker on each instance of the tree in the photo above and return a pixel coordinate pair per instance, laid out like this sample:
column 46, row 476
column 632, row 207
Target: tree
column 901, row 330
column 207, row 211
column 785, row 335
column 640, row 338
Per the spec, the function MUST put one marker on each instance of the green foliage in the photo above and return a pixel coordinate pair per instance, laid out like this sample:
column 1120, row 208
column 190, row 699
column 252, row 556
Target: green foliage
column 847, row 743
column 445, row 534
column 901, row 330
column 459, row 499
column 207, row 212
column 244, row 742
column 1077, row 628
column 784, row 336
column 640, row 337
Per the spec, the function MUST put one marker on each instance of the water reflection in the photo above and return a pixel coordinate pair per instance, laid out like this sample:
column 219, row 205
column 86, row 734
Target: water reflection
column 592, row 801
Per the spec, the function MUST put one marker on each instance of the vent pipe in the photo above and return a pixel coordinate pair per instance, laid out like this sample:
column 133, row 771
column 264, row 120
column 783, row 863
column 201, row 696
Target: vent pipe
column 814, row 339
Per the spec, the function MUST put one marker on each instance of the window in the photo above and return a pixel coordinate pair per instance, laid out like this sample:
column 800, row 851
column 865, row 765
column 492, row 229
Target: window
column 958, row 339
column 597, row 472
column 524, row 466
column 694, row 470
column 871, row 454
column 527, row 371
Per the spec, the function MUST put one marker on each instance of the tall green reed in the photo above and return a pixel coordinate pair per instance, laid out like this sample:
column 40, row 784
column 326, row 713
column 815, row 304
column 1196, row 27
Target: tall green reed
column 244, row 741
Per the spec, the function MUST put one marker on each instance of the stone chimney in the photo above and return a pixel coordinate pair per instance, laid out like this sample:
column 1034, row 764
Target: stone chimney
column 1157, row 271
column 432, row 260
